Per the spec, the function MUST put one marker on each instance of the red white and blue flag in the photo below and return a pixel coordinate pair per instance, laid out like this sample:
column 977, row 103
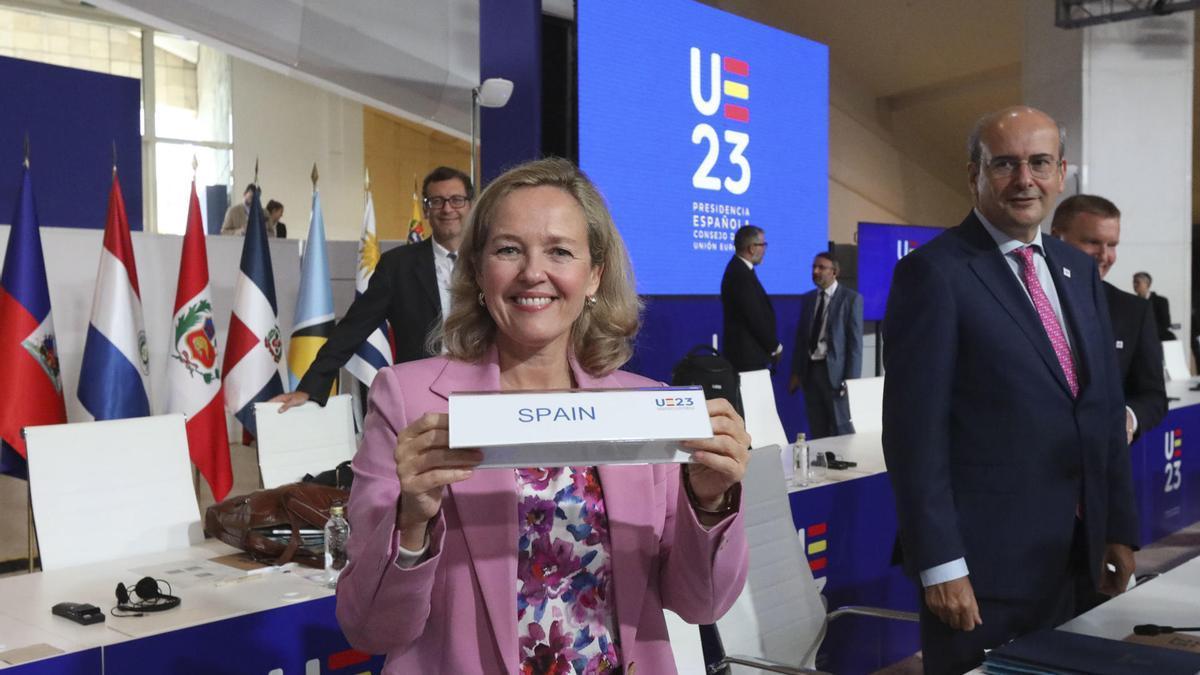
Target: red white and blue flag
column 254, row 346
column 28, row 351
column 116, row 361
column 193, row 373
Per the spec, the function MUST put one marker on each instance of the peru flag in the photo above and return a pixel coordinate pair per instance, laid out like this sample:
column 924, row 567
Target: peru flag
column 193, row 373
column 116, row 362
column 28, row 351
column 254, row 346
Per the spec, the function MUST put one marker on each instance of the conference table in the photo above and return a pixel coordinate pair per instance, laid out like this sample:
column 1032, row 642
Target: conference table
column 848, row 525
column 231, row 620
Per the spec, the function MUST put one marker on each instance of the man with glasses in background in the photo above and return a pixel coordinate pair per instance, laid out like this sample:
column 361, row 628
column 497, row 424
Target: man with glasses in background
column 1003, row 415
column 410, row 289
column 750, row 339
column 828, row 349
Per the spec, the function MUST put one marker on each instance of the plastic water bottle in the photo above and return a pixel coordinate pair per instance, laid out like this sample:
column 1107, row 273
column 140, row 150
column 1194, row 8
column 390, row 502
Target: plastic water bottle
column 800, row 460
column 337, row 531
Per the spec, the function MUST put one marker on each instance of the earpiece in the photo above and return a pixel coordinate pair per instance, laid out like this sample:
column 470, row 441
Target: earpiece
column 147, row 596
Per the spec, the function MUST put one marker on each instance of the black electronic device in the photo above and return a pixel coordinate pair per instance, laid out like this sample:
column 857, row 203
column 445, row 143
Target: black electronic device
column 78, row 612
column 145, row 596
column 838, row 464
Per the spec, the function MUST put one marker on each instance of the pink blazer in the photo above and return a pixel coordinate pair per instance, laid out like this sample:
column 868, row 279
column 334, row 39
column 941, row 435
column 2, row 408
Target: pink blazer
column 456, row 612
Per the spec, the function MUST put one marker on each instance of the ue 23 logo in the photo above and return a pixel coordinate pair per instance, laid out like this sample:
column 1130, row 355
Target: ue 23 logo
column 737, row 111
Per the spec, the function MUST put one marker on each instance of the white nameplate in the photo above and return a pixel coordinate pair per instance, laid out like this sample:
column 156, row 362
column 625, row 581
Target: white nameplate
column 579, row 428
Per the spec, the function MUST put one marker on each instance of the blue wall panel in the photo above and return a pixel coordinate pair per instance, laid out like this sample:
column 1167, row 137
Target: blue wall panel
column 73, row 117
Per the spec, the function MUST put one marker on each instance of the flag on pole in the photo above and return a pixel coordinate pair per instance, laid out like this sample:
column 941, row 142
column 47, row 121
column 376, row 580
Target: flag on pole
column 416, row 231
column 314, row 305
column 376, row 351
column 193, row 374
column 116, row 361
column 254, row 346
column 28, row 351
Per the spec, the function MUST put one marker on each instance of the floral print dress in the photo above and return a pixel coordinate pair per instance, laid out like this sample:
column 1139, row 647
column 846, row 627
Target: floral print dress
column 565, row 621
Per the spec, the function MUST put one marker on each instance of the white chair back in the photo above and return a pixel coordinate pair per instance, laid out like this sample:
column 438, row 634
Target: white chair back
column 107, row 490
column 780, row 612
column 758, row 403
column 866, row 403
column 306, row 439
column 1175, row 360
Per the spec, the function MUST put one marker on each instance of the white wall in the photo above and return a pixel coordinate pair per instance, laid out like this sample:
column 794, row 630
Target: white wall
column 287, row 125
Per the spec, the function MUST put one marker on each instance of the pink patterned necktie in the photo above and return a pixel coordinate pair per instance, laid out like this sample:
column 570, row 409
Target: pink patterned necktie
column 1046, row 313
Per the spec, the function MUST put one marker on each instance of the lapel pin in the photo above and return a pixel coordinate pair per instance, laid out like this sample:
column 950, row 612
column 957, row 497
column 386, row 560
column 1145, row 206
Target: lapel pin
column 1120, row 344
column 1067, row 272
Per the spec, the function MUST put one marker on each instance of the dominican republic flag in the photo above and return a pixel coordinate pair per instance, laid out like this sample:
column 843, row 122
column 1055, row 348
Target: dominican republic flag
column 416, row 231
column 314, row 305
column 254, row 346
column 28, row 351
column 376, row 351
column 193, row 373
column 116, row 361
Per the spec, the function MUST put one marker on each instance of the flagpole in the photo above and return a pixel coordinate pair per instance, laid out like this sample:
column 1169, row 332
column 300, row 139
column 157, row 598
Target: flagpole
column 29, row 524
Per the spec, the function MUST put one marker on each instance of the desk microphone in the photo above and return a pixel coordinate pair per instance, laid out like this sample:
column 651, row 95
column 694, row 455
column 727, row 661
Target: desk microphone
column 1151, row 629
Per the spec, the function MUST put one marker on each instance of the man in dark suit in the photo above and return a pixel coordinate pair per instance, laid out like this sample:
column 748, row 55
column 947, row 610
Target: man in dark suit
column 750, row 339
column 1092, row 224
column 1162, row 307
column 828, row 349
column 1003, row 417
column 410, row 288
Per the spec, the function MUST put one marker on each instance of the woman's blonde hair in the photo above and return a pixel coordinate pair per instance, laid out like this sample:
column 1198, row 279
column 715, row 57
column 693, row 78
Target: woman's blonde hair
column 602, row 335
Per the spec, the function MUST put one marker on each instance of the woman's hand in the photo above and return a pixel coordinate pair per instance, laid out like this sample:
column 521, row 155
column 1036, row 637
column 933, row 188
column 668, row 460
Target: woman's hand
column 425, row 465
column 718, row 462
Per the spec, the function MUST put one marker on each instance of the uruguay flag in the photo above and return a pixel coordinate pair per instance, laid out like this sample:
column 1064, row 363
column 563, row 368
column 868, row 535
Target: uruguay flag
column 254, row 346
column 376, row 351
column 314, row 306
column 116, row 361
column 28, row 351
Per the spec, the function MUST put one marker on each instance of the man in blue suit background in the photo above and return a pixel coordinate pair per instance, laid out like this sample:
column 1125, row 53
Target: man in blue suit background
column 828, row 349
column 1003, row 415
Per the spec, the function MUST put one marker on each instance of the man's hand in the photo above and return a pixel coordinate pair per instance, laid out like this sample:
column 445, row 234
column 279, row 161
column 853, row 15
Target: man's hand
column 1119, row 556
column 290, row 400
column 954, row 603
column 793, row 384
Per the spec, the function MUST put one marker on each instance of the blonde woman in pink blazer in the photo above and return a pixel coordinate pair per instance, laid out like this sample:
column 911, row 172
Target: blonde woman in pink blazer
column 455, row 569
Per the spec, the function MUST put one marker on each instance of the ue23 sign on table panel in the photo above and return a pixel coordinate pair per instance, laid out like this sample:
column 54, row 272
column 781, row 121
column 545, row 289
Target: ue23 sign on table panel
column 694, row 122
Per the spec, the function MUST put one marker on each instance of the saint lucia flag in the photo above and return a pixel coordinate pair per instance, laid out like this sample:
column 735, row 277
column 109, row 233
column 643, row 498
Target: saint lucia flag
column 116, row 361
column 28, row 351
column 193, row 375
column 314, row 305
column 376, row 351
column 254, row 346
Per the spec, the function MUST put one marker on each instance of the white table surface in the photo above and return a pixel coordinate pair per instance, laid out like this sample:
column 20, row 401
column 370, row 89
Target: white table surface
column 25, row 600
column 1170, row 599
column 865, row 449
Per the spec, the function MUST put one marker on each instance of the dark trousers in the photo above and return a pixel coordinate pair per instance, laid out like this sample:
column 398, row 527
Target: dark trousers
column 824, row 404
column 946, row 651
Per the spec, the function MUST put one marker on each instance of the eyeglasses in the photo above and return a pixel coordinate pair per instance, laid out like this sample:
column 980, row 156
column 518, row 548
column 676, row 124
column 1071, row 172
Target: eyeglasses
column 456, row 201
column 1041, row 166
column 760, row 243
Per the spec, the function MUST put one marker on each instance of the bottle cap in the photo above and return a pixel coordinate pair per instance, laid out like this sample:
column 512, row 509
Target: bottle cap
column 337, row 510
column 800, row 437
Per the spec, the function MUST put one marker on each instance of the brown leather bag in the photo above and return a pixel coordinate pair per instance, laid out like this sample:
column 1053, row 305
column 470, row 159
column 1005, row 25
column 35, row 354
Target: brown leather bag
column 247, row 522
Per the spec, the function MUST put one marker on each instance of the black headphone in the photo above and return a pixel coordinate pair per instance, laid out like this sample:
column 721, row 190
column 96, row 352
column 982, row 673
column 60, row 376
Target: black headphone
column 146, row 597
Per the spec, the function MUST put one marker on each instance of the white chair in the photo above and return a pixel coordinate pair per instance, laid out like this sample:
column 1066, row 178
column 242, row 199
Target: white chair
column 866, row 403
column 106, row 490
column 1175, row 360
column 779, row 620
column 307, row 439
column 761, row 414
